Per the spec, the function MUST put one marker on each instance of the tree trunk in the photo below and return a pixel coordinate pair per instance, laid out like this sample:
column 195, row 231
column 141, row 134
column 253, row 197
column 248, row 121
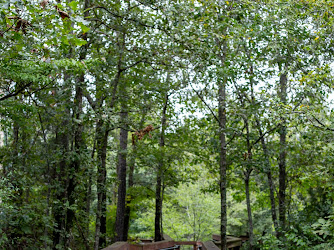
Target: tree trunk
column 89, row 192
column 158, row 191
column 80, row 144
column 59, row 210
column 223, row 160
column 269, row 176
column 266, row 156
column 247, row 174
column 60, row 233
column 88, row 204
column 282, row 155
column 102, row 132
column 14, row 170
column 222, row 138
column 74, row 167
column 158, row 206
column 249, row 209
column 121, row 170
column 129, row 200
column 48, row 182
column 130, row 178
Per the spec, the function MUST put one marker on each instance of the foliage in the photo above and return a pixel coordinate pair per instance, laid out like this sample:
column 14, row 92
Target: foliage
column 73, row 74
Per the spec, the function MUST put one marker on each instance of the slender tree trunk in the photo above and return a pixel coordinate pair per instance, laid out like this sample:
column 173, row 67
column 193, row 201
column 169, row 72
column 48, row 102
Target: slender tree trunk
column 79, row 136
column 269, row 177
column 75, row 166
column 282, row 155
column 47, row 214
column 158, row 207
column 223, row 160
column 88, row 203
column 266, row 155
column 102, row 132
column 162, row 199
column 16, row 130
column 222, row 138
column 59, row 209
column 121, row 224
column 60, row 233
column 249, row 209
column 121, row 167
column 3, row 141
column 247, row 174
column 130, row 178
column 129, row 200
column 158, row 191
column 48, row 182
column 89, row 192
column 15, row 179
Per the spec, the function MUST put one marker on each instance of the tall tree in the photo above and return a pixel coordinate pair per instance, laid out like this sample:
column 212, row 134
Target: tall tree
column 158, row 233
column 120, row 226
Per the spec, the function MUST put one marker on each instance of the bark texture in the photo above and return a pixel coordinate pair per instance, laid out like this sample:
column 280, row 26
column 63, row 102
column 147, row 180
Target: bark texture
column 223, row 161
column 121, row 170
column 282, row 154
column 269, row 176
column 247, row 174
column 158, row 234
column 59, row 212
column 102, row 133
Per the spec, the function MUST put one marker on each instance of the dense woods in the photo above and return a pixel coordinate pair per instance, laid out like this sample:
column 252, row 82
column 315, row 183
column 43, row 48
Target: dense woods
column 122, row 120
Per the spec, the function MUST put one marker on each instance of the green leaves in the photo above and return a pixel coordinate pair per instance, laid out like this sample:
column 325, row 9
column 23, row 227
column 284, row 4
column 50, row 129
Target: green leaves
column 84, row 28
column 66, row 73
column 73, row 5
column 79, row 42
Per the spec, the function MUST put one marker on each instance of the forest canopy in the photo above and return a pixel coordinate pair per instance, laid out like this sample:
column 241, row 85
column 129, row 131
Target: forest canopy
column 129, row 120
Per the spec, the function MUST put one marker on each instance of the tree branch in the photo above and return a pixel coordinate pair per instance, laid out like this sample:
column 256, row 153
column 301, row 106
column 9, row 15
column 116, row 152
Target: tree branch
column 202, row 99
column 20, row 90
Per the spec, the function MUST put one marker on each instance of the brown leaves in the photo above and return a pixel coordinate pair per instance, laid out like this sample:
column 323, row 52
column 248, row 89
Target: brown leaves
column 139, row 135
column 44, row 3
column 62, row 13
column 21, row 24
column 247, row 155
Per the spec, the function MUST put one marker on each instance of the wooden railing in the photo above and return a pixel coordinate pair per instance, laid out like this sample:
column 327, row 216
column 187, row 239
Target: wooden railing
column 165, row 244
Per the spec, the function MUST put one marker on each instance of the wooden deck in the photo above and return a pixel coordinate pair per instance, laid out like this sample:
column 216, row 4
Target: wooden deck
column 170, row 244
column 232, row 242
